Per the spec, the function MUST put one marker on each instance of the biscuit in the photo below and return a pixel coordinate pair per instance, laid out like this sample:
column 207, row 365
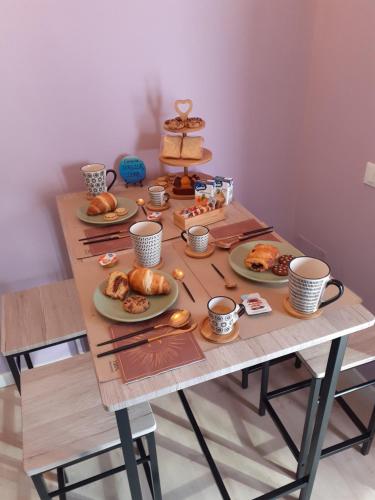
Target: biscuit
column 280, row 269
column 121, row 211
column 111, row 216
column 136, row 304
column 285, row 259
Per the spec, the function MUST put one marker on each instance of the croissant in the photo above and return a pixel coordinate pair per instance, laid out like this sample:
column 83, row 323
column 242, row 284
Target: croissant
column 261, row 258
column 117, row 285
column 101, row 204
column 148, row 282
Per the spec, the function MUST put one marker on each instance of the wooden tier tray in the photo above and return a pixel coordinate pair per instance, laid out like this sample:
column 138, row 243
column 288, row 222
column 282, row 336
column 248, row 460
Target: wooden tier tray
column 183, row 162
column 199, row 220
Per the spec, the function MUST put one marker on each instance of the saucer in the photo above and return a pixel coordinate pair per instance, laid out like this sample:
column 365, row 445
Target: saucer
column 200, row 255
column 289, row 309
column 208, row 334
column 152, row 207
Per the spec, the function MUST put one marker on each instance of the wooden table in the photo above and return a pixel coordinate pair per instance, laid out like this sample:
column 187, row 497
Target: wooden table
column 262, row 338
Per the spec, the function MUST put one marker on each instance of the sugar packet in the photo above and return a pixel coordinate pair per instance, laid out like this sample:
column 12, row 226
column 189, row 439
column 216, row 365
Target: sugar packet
column 255, row 304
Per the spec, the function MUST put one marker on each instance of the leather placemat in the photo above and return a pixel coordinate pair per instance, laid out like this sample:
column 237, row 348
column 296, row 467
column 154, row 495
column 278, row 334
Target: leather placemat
column 103, row 230
column 157, row 357
column 241, row 227
column 110, row 246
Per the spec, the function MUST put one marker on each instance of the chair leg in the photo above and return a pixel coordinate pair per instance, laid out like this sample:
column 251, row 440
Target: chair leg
column 28, row 361
column 61, row 481
column 14, row 371
column 245, row 379
column 308, row 428
column 371, row 429
column 154, row 465
column 146, row 465
column 297, row 362
column 41, row 487
column 264, row 388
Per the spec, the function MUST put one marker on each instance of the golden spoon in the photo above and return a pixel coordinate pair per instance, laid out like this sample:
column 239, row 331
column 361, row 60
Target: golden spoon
column 178, row 275
column 140, row 202
column 178, row 319
column 227, row 282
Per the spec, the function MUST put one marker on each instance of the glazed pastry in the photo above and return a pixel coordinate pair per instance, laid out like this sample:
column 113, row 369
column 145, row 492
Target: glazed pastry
column 148, row 282
column 192, row 148
column 261, row 258
column 171, row 146
column 194, row 122
column 102, row 204
column 117, row 285
column 175, row 123
column 136, row 304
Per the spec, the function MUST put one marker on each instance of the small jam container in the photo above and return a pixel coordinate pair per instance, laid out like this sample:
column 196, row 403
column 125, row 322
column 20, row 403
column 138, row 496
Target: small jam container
column 108, row 260
column 154, row 216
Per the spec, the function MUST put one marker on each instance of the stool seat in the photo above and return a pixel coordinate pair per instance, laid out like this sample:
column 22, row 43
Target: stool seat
column 63, row 416
column 40, row 316
column 360, row 350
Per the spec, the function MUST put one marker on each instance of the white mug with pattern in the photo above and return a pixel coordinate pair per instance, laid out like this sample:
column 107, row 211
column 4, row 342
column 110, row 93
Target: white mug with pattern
column 146, row 237
column 223, row 313
column 197, row 238
column 158, row 196
column 95, row 176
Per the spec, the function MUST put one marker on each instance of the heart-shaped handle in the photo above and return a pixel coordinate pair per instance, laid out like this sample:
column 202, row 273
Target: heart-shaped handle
column 183, row 102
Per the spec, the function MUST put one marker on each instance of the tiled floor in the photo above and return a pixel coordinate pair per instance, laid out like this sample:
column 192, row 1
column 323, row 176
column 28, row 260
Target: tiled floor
column 249, row 451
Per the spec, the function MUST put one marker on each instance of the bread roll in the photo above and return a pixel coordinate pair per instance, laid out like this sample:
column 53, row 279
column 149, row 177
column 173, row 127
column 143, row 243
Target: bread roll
column 261, row 258
column 148, row 282
column 102, row 204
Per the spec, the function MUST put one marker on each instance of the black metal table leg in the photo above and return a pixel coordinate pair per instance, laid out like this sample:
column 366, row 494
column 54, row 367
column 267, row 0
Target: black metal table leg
column 40, row 487
column 371, row 429
column 264, row 388
column 146, row 465
column 336, row 355
column 312, row 408
column 245, row 378
column 123, row 424
column 154, row 466
column 61, row 482
column 29, row 363
column 14, row 371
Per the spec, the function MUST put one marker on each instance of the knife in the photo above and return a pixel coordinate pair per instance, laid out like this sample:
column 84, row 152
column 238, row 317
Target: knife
column 109, row 238
column 147, row 341
column 103, row 235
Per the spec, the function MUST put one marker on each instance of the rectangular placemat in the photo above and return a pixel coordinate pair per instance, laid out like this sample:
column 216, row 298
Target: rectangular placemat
column 241, row 227
column 157, row 357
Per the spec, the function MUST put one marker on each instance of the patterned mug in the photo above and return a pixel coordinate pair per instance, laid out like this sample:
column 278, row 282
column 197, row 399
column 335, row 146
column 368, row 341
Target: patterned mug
column 197, row 238
column 158, row 196
column 146, row 237
column 95, row 176
column 223, row 313
column 308, row 279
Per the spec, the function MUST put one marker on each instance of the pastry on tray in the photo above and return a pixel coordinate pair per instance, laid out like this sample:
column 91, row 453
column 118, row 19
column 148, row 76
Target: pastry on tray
column 171, row 146
column 148, row 282
column 117, row 285
column 102, row 204
column 261, row 258
column 192, row 148
column 175, row 123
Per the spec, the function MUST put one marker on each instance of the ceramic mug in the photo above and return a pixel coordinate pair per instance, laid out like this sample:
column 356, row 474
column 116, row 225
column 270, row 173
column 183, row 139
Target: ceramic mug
column 308, row 279
column 197, row 238
column 158, row 196
column 95, row 176
column 223, row 313
column 146, row 237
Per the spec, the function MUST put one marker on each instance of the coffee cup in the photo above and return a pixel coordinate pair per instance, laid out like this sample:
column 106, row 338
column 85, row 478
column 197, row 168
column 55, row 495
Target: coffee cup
column 308, row 279
column 223, row 313
column 146, row 238
column 95, row 176
column 158, row 195
column 197, row 238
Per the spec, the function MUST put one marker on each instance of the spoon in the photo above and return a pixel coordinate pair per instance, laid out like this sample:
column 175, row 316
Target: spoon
column 179, row 318
column 178, row 275
column 140, row 202
column 228, row 283
column 190, row 328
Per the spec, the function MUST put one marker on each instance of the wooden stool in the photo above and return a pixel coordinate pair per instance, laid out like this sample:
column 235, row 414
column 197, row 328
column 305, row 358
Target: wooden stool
column 38, row 318
column 64, row 422
column 360, row 351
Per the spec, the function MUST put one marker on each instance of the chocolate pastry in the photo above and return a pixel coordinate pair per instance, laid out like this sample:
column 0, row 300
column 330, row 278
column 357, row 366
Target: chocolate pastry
column 280, row 269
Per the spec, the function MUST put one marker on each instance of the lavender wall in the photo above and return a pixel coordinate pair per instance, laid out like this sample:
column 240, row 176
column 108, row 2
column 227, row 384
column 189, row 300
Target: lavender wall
column 335, row 210
column 89, row 81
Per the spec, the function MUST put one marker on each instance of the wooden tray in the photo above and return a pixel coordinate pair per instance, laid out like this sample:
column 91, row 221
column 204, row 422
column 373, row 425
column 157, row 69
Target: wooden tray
column 200, row 220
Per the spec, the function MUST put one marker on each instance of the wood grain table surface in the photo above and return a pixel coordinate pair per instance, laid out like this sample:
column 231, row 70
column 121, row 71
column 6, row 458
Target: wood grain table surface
column 262, row 338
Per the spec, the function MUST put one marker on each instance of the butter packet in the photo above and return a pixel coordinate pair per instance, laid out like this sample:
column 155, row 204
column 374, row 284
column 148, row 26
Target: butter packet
column 204, row 192
column 255, row 304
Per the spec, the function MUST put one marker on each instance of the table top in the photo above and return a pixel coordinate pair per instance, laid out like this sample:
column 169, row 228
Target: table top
column 262, row 337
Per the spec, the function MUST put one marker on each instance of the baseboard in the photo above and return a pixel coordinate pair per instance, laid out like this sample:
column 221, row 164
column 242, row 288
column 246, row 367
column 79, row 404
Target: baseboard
column 6, row 379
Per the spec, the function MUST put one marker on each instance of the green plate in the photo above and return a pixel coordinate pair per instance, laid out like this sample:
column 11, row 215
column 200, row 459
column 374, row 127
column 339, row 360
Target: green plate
column 238, row 255
column 100, row 220
column 112, row 309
